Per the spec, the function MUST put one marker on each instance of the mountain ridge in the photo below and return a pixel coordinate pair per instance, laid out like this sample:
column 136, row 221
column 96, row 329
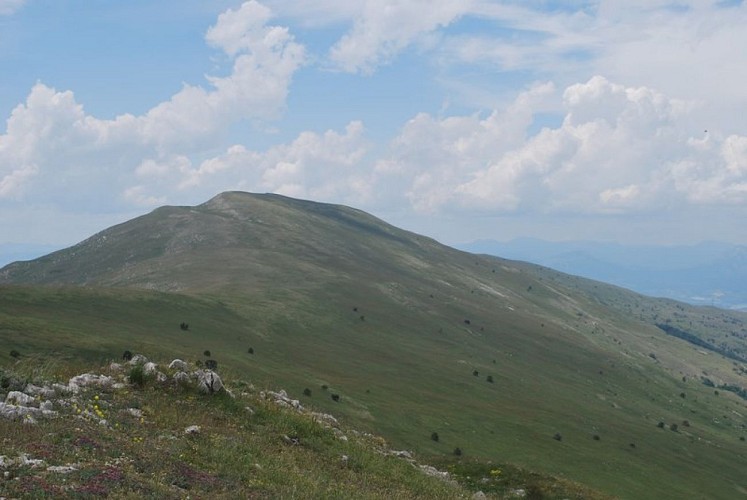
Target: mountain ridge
column 495, row 356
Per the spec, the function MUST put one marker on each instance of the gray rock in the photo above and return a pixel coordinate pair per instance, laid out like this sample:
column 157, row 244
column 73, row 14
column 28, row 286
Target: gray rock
column 137, row 359
column 35, row 390
column 192, row 430
column 89, row 380
column 479, row 496
column 150, row 368
column 182, row 378
column 19, row 398
column 208, row 382
column 178, row 364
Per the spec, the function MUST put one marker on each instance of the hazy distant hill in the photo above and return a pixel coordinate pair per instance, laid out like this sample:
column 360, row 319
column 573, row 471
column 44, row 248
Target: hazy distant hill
column 507, row 361
column 709, row 273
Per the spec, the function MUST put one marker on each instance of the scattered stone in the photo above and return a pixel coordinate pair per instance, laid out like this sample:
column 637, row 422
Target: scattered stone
column 249, row 410
column 325, row 419
column 192, row 430
column 135, row 412
column 518, row 493
column 344, row 460
column 291, row 440
column 281, row 398
column 115, row 368
column 479, row 496
column 161, row 377
column 407, row 455
column 46, row 406
column 429, row 470
column 178, row 364
column 62, row 469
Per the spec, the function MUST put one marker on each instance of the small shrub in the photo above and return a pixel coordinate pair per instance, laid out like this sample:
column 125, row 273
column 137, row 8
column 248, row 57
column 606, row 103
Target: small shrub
column 557, row 437
column 251, row 350
column 206, row 353
column 307, row 392
column 458, row 452
column 660, row 425
column 685, row 423
column 475, row 373
column 673, row 427
column 211, row 364
column 137, row 376
column 198, row 363
column 682, row 395
column 336, row 398
column 434, row 436
column 127, row 355
column 363, row 318
column 325, row 387
column 741, row 438
column 596, row 437
column 632, row 445
column 490, row 379
column 467, row 322
column 15, row 354
column 184, row 326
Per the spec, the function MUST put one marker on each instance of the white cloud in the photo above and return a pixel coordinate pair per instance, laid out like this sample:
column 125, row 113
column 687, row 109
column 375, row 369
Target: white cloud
column 8, row 7
column 325, row 166
column 618, row 150
column 384, row 27
column 52, row 148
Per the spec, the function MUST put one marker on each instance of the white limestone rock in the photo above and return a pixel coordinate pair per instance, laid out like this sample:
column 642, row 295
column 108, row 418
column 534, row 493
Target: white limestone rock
column 209, row 382
column 178, row 364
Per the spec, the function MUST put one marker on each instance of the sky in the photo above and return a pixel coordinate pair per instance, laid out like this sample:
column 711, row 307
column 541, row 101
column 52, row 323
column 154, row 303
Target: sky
column 619, row 121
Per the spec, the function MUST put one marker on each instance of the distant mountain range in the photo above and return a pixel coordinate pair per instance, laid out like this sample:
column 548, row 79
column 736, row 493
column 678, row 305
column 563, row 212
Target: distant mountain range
column 709, row 273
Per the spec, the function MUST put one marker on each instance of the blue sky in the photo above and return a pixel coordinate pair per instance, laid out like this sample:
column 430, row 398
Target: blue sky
column 459, row 119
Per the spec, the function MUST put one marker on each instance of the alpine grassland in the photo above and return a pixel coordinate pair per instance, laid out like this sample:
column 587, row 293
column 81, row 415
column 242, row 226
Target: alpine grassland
column 527, row 371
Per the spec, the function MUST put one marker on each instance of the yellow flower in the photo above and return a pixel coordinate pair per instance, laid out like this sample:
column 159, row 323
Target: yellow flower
column 96, row 397
column 495, row 472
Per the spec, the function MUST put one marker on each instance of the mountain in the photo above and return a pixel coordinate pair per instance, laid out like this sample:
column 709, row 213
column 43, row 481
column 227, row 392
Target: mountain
column 509, row 362
column 709, row 273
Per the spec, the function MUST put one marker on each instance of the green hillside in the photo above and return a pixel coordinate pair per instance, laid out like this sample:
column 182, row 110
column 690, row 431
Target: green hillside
column 510, row 362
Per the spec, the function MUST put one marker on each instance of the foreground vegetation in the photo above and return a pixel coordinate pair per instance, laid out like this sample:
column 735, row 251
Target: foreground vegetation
column 150, row 439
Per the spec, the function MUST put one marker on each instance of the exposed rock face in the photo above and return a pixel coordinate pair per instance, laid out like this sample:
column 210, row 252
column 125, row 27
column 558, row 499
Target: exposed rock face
column 20, row 399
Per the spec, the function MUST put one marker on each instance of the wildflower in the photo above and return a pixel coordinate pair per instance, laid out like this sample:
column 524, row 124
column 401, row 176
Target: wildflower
column 495, row 472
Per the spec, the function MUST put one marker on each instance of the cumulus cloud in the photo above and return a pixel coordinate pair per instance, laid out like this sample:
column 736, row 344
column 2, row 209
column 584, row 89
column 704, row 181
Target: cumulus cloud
column 325, row 166
column 619, row 149
column 52, row 146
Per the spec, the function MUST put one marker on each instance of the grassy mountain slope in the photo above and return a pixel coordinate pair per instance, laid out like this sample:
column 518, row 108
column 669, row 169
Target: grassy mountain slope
column 406, row 332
